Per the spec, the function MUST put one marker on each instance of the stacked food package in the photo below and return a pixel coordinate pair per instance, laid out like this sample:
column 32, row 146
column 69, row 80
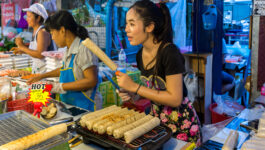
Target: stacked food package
column 53, row 61
column 21, row 62
column 15, row 62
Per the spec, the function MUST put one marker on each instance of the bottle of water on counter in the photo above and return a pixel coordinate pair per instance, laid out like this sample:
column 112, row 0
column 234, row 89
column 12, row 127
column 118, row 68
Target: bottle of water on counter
column 122, row 61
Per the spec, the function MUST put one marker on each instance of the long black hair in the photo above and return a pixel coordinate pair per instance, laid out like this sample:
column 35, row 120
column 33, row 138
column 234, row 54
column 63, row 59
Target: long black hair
column 159, row 15
column 65, row 19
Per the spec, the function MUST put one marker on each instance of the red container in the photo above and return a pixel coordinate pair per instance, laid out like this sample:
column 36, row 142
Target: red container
column 141, row 105
column 215, row 116
column 20, row 104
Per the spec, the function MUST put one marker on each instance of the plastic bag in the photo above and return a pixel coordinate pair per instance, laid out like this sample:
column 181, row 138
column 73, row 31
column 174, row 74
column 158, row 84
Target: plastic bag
column 191, row 82
column 226, row 105
column 220, row 104
column 210, row 130
column 5, row 88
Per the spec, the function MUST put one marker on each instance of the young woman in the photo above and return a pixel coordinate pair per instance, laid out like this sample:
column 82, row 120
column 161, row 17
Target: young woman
column 36, row 14
column 78, row 75
column 161, row 65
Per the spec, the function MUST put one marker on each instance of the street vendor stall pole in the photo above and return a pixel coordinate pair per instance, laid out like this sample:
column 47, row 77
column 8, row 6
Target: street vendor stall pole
column 258, row 55
column 109, row 27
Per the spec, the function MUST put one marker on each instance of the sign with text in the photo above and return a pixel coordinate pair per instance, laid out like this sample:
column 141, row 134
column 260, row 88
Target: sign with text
column 40, row 93
column 7, row 12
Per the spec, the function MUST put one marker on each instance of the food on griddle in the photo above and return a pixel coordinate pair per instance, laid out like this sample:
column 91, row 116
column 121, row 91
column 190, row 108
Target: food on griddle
column 119, row 133
column 90, row 123
column 119, row 122
column 95, row 114
column 36, row 138
column 133, row 134
column 127, row 121
column 49, row 111
column 102, row 128
column 106, row 121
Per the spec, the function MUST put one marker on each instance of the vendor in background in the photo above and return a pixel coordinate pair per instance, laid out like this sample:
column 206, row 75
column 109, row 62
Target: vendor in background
column 79, row 73
column 228, row 81
column 161, row 65
column 36, row 15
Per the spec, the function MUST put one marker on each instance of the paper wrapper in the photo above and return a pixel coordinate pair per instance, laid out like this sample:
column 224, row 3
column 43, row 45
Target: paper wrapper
column 100, row 54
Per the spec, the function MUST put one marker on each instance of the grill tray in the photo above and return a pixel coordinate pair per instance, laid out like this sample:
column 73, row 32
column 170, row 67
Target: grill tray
column 154, row 139
column 17, row 124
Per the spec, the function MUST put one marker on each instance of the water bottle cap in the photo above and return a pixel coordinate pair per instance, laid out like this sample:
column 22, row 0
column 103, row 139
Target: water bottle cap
column 123, row 70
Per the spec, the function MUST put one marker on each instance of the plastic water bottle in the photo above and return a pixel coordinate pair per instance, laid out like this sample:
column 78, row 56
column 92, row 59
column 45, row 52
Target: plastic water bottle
column 122, row 61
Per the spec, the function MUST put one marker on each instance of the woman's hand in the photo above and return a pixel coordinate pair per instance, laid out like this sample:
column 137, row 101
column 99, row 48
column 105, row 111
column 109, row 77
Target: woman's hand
column 126, row 95
column 34, row 79
column 57, row 88
column 125, row 82
column 19, row 42
column 16, row 50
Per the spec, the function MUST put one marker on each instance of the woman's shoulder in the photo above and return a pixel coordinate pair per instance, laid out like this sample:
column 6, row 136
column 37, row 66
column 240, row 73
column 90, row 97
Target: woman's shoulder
column 43, row 32
column 170, row 49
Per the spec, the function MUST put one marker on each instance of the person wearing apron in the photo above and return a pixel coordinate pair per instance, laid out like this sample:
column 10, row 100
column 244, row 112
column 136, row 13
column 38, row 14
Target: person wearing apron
column 38, row 65
column 36, row 15
column 78, row 74
column 77, row 98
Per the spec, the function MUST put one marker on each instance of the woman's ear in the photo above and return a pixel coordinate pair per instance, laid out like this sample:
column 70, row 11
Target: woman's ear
column 62, row 30
column 38, row 19
column 150, row 28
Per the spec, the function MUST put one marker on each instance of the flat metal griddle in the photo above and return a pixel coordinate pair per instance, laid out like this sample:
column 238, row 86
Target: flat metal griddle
column 154, row 139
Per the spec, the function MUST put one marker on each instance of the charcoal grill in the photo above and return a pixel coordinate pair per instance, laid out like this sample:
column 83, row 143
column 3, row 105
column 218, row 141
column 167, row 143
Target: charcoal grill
column 154, row 139
column 17, row 124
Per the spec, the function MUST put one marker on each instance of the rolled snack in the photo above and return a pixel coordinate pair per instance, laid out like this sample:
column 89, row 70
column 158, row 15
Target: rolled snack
column 101, row 55
column 133, row 134
column 119, row 133
column 84, row 117
column 90, row 122
column 99, row 115
column 36, row 138
column 231, row 140
column 102, row 128
column 108, row 118
column 129, row 120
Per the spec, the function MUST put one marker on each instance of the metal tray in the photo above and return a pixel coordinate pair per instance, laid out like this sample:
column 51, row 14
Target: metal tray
column 17, row 124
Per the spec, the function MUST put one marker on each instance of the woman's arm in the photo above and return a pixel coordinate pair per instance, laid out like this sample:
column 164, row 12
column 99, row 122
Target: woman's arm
column 54, row 73
column 90, row 80
column 42, row 44
column 171, row 97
